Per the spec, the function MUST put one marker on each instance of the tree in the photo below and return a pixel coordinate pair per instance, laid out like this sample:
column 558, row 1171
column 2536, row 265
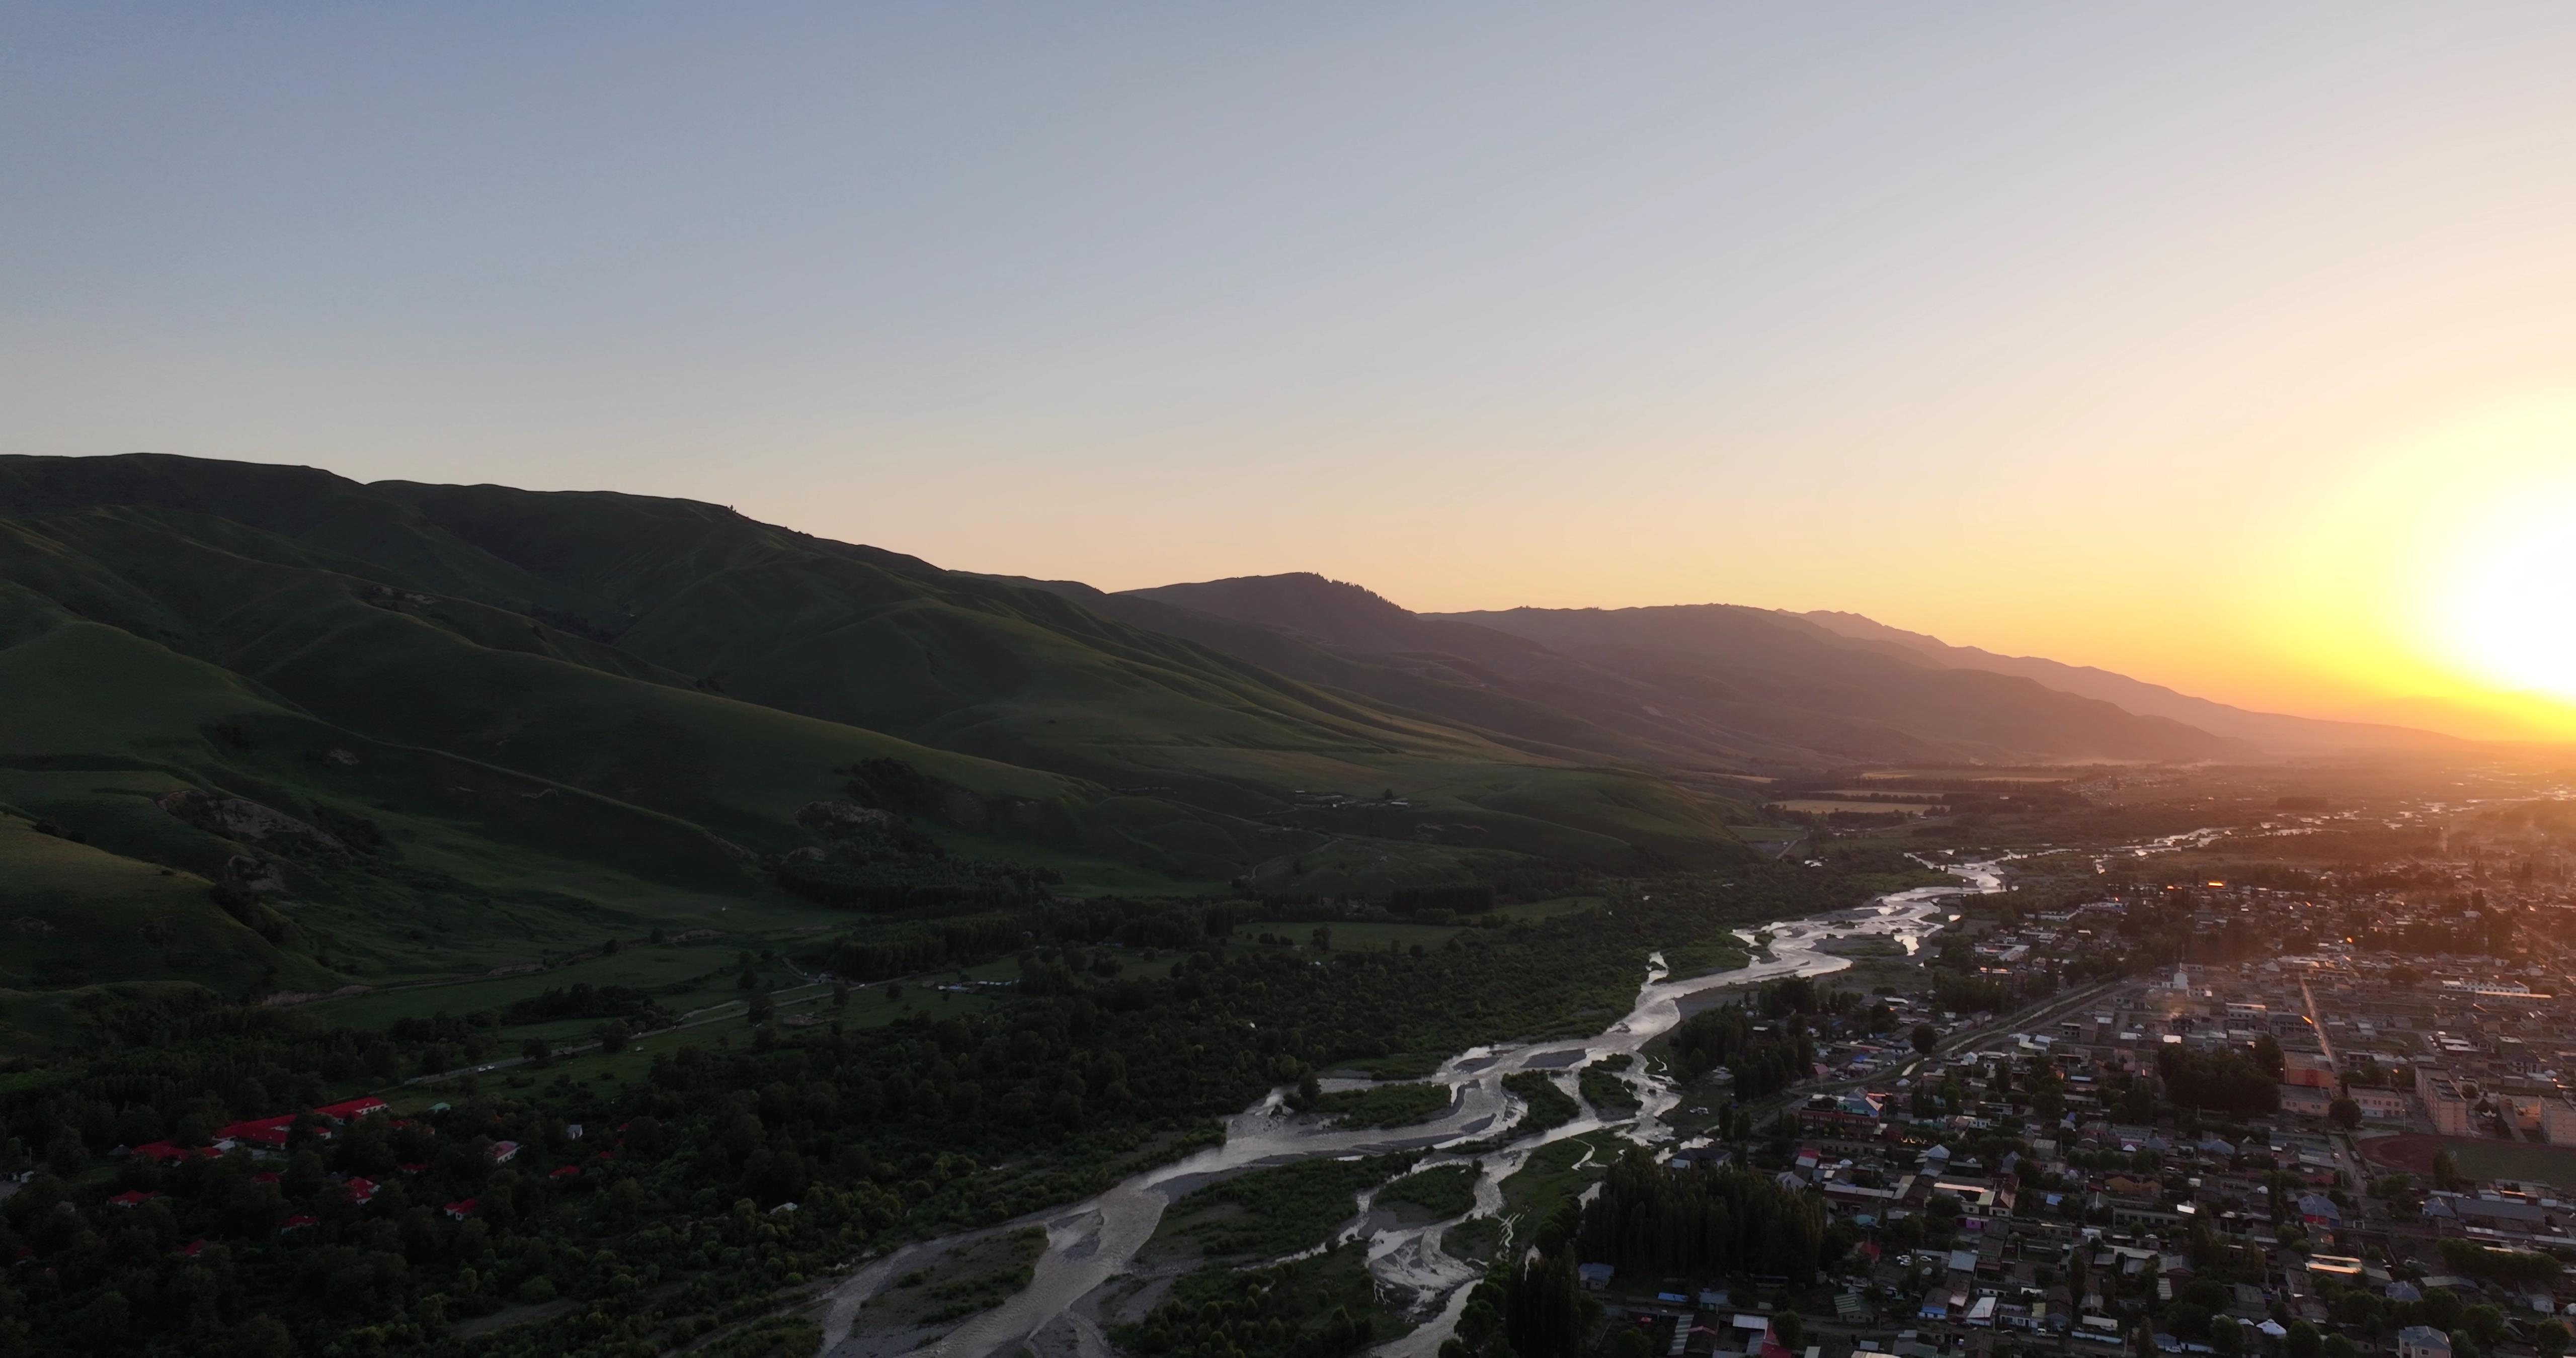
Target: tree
column 759, row 1006
column 2303, row 1341
column 614, row 1036
column 2226, row 1337
column 1791, row 1328
column 534, row 1051
column 1323, row 937
column 2345, row 1112
column 1543, row 1309
column 1926, row 1037
column 1309, row 1090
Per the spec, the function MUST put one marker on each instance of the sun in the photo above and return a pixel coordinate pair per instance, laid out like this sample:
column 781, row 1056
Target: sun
column 2508, row 610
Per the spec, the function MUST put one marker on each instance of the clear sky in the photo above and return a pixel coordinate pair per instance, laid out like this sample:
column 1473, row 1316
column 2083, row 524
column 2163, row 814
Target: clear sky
column 2230, row 346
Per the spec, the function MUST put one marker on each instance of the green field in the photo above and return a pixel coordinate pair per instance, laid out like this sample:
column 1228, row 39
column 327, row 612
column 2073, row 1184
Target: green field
column 1550, row 1179
column 1432, row 1194
column 1267, row 1213
column 2487, row 1158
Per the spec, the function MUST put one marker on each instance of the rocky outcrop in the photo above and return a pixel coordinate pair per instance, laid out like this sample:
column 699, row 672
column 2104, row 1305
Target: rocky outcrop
column 243, row 819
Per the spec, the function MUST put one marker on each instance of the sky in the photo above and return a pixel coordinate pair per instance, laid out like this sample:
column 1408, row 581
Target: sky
column 2232, row 347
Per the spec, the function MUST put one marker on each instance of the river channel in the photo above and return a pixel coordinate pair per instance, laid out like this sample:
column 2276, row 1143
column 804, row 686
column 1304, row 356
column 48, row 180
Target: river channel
column 1093, row 1242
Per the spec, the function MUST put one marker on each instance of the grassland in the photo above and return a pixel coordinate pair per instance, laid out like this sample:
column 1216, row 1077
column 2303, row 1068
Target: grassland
column 1549, row 1106
column 1433, row 1194
column 1476, row 1240
column 1270, row 1213
column 1604, row 1090
column 2487, row 1158
column 1554, row 1175
column 973, row 1277
column 1396, row 1105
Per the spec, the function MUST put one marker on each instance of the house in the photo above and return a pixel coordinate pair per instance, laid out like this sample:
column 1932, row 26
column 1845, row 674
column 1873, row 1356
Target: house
column 2500, row 1213
column 2317, row 1211
column 566, row 1172
column 503, row 1152
column 192, row 1249
column 460, row 1210
column 1979, row 1197
column 301, row 1221
column 2306, row 1100
column 351, row 1110
column 1594, row 1277
column 167, row 1153
column 359, row 1189
column 1852, row 1115
column 2383, row 1105
column 2423, row 1341
column 262, row 1135
column 133, row 1197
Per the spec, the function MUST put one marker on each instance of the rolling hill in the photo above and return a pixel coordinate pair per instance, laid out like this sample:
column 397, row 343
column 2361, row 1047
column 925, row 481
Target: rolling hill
column 355, row 732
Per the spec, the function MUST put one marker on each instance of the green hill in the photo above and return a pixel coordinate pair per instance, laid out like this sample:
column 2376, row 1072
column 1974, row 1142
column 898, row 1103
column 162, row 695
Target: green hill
column 415, row 731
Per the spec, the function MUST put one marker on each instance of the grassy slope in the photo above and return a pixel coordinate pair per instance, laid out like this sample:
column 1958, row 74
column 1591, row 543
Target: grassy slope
column 74, row 912
column 1015, row 674
column 517, row 690
column 874, row 639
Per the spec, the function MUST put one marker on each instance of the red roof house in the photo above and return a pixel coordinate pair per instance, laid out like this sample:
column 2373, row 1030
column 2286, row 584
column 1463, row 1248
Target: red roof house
column 133, row 1197
column 165, row 1152
column 461, row 1209
column 260, row 1133
column 351, row 1109
column 299, row 1222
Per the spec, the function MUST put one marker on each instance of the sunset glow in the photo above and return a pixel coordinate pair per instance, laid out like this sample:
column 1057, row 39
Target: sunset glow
column 2239, row 366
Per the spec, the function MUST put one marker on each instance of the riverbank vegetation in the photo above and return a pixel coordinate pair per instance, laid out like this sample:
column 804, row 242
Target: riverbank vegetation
column 1434, row 1194
column 1267, row 1213
column 1326, row 1304
column 1549, row 1106
column 1396, row 1105
column 1604, row 1090
column 667, row 1217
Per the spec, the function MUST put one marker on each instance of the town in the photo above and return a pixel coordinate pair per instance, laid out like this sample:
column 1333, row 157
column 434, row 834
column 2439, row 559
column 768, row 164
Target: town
column 2283, row 1112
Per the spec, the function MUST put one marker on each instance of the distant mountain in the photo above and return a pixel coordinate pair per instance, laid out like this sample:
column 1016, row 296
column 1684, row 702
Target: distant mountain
column 2269, row 730
column 1709, row 686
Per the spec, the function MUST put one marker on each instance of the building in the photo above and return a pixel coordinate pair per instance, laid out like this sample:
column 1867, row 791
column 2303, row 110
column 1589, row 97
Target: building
column 2306, row 1100
column 2309, row 1070
column 2423, row 1341
column 2390, row 1105
column 2558, row 1120
column 352, row 1110
column 2448, row 1107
